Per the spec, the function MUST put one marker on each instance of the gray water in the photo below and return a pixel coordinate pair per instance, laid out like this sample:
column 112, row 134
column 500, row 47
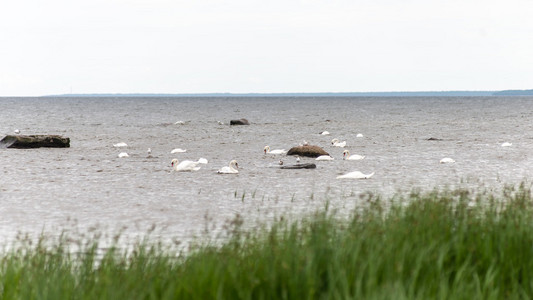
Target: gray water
column 87, row 185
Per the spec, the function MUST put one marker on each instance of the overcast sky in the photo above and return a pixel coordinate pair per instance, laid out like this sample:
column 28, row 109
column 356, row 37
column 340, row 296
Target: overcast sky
column 240, row 46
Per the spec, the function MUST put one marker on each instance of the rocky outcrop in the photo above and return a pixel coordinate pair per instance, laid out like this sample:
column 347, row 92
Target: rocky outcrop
column 299, row 166
column 34, row 141
column 308, row 151
column 239, row 122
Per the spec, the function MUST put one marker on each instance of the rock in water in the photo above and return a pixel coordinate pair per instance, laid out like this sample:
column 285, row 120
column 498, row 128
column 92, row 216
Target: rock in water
column 299, row 166
column 34, row 141
column 308, row 151
column 239, row 122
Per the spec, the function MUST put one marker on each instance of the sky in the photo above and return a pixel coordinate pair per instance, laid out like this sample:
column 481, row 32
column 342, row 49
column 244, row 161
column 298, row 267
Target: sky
column 276, row 46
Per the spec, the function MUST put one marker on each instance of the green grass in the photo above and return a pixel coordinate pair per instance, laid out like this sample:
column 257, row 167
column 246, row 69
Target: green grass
column 423, row 246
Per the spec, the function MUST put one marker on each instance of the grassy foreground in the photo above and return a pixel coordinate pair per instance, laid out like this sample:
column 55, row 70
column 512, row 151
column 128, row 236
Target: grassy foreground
column 425, row 246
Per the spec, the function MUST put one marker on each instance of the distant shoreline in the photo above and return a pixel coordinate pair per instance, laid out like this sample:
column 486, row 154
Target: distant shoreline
column 354, row 94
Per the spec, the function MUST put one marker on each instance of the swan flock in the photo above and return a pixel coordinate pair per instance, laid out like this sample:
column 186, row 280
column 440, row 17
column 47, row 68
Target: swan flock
column 233, row 166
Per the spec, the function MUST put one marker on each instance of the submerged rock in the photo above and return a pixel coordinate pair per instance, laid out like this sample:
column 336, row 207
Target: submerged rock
column 299, row 166
column 34, row 141
column 239, row 122
column 308, row 151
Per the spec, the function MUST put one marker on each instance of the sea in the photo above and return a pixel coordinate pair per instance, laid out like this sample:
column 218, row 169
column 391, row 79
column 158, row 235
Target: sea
column 89, row 188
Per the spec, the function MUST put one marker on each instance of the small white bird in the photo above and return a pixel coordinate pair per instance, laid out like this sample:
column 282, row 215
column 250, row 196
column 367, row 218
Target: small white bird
column 297, row 159
column 336, row 143
column 324, row 133
column 121, row 144
column 275, row 152
column 178, row 150
column 507, row 144
column 202, row 160
column 324, row 157
column 179, row 123
column 355, row 175
column 280, row 162
column 231, row 169
column 447, row 160
column 149, row 152
column 359, row 135
column 123, row 154
column 346, row 156
column 17, row 131
column 185, row 165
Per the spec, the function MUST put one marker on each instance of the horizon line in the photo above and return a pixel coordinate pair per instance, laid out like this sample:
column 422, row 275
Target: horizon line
column 338, row 94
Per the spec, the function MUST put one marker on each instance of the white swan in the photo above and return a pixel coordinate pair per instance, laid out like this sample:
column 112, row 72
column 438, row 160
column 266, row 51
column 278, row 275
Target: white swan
column 355, row 175
column 178, row 150
column 123, row 154
column 324, row 133
column 231, row 169
column 346, row 156
column 324, row 157
column 121, row 144
column 507, row 144
column 185, row 165
column 336, row 143
column 277, row 151
column 359, row 135
column 202, row 160
column 447, row 160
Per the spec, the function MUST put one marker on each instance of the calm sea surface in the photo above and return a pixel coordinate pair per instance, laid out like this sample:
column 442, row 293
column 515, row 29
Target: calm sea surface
column 87, row 185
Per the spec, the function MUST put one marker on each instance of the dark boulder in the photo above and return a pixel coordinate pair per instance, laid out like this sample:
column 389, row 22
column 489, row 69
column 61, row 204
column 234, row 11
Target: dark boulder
column 299, row 166
column 309, row 151
column 34, row 141
column 239, row 122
